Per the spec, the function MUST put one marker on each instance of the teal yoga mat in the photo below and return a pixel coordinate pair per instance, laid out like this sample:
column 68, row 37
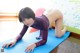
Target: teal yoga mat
column 52, row 43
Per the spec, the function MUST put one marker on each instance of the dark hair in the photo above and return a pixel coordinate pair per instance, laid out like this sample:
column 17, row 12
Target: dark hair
column 26, row 13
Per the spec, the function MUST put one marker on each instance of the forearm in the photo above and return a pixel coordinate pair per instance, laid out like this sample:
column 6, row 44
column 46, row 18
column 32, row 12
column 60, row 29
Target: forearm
column 21, row 34
column 18, row 38
column 42, row 42
column 43, row 34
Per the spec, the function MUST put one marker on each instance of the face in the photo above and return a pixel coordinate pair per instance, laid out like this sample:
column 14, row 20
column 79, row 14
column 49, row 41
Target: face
column 28, row 22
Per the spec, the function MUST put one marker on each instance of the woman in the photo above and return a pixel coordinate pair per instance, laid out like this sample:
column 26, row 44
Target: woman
column 43, row 22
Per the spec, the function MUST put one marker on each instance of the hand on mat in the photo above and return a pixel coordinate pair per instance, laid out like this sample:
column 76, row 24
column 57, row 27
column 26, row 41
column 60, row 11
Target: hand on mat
column 12, row 43
column 30, row 48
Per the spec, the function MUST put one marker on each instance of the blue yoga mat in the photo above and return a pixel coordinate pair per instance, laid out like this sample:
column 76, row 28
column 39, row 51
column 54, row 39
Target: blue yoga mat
column 52, row 43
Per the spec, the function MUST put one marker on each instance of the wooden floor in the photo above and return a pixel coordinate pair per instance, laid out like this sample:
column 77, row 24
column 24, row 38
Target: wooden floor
column 10, row 28
column 69, row 46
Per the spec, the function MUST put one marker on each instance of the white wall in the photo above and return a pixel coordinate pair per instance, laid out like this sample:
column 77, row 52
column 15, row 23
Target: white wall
column 69, row 8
